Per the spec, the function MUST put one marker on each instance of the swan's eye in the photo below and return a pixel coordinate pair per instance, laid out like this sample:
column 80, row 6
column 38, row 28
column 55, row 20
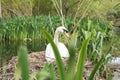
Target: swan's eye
column 64, row 30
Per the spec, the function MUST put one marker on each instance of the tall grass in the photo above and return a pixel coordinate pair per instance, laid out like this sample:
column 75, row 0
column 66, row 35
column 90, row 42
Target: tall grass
column 59, row 62
column 81, row 60
column 22, row 70
column 22, row 28
column 75, row 73
column 91, row 33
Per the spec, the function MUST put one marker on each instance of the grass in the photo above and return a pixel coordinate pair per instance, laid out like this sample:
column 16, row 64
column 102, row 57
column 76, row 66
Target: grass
column 26, row 29
column 30, row 29
column 81, row 60
column 22, row 70
column 87, row 40
column 75, row 73
column 23, row 28
column 59, row 62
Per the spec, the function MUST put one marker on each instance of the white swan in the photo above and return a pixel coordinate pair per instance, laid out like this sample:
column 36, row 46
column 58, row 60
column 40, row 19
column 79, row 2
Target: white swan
column 49, row 54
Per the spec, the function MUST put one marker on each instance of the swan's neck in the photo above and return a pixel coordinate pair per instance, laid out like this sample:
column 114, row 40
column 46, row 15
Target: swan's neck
column 56, row 37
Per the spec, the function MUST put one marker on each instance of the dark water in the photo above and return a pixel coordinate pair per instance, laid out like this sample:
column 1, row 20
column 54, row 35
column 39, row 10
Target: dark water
column 10, row 48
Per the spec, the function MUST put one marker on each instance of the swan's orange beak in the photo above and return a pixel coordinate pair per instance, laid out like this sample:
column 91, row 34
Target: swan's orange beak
column 66, row 33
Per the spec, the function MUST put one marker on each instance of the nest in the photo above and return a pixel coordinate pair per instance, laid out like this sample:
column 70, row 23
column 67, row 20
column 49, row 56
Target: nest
column 37, row 62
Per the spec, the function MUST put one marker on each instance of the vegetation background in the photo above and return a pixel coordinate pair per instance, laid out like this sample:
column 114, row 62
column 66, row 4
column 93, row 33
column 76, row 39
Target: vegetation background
column 94, row 27
column 99, row 8
column 108, row 10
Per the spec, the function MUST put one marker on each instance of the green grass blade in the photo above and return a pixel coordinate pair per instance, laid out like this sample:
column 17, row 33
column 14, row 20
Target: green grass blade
column 72, row 61
column 23, row 62
column 97, row 66
column 46, row 67
column 59, row 62
column 81, row 60
column 17, row 72
column 52, row 73
column 49, row 67
column 95, row 69
column 43, row 75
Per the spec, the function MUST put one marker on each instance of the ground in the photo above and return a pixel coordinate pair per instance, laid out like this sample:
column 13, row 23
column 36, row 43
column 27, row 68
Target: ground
column 37, row 61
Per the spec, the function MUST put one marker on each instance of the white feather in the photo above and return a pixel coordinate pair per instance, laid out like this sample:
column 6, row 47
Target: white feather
column 49, row 54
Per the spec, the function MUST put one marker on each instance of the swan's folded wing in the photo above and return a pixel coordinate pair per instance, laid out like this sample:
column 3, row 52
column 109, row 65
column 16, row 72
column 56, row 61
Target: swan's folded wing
column 63, row 50
column 49, row 53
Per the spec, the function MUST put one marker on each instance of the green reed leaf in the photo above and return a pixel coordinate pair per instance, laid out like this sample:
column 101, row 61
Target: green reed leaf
column 59, row 62
column 23, row 63
column 72, row 61
column 81, row 60
column 52, row 73
column 97, row 66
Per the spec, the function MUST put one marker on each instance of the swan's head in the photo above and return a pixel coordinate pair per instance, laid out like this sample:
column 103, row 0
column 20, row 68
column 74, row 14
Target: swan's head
column 63, row 30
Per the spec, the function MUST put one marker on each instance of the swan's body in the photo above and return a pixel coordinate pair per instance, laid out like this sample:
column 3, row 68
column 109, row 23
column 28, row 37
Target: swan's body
column 49, row 54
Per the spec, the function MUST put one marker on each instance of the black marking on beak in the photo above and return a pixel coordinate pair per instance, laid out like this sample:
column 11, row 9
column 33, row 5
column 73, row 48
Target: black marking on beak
column 66, row 31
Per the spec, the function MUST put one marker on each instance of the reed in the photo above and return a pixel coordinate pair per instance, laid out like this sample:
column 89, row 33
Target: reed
column 23, row 28
column 22, row 67
column 75, row 70
column 87, row 39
